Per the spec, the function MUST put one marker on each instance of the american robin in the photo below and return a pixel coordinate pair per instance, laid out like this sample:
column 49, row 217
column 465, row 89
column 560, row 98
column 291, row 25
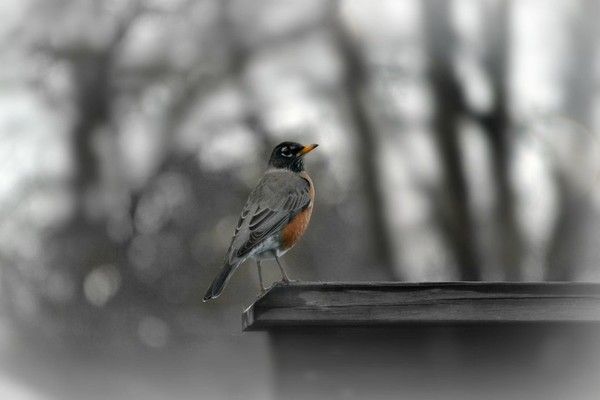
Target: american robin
column 275, row 216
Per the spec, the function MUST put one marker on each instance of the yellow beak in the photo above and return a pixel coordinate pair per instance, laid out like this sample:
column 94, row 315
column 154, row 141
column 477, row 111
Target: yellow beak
column 308, row 149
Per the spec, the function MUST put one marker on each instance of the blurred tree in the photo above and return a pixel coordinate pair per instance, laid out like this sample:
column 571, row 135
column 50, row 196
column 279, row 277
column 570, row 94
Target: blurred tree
column 496, row 124
column 158, row 70
column 81, row 243
column 454, row 204
column 570, row 239
column 355, row 82
column 149, row 259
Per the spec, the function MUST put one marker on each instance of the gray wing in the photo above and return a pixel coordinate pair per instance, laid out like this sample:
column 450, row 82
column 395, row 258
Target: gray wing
column 278, row 197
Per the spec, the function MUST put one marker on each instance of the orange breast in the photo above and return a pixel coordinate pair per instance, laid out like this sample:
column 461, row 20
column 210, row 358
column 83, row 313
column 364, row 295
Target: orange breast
column 297, row 226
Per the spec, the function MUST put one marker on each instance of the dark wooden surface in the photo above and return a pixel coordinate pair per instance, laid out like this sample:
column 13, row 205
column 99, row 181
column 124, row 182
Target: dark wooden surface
column 400, row 304
column 493, row 341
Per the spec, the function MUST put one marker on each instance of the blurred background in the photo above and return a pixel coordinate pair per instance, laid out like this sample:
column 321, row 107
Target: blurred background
column 458, row 141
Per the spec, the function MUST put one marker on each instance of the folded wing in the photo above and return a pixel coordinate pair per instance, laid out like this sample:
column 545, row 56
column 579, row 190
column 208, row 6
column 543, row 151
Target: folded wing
column 270, row 206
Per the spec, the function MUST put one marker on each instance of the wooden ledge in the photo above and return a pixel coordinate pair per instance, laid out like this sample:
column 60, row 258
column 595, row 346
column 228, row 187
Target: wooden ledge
column 312, row 304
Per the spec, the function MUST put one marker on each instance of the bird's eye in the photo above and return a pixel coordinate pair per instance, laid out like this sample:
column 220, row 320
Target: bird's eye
column 285, row 151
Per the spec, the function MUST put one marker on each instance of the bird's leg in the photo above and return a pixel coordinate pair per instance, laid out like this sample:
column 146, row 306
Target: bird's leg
column 260, row 279
column 284, row 276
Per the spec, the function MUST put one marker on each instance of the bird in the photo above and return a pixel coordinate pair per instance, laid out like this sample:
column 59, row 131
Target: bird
column 274, row 217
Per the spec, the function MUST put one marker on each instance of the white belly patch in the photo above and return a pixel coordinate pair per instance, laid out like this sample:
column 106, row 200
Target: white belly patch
column 266, row 248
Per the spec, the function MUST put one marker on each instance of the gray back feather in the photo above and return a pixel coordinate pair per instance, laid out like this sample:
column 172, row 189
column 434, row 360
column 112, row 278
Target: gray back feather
column 277, row 198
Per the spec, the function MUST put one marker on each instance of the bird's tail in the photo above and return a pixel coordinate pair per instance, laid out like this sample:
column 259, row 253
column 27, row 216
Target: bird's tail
column 220, row 281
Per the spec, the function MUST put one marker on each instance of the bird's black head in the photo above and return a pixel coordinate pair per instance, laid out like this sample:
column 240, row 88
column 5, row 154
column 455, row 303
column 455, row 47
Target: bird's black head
column 289, row 155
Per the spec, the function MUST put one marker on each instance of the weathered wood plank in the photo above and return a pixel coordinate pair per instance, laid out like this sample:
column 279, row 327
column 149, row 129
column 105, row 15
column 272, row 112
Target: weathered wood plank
column 389, row 304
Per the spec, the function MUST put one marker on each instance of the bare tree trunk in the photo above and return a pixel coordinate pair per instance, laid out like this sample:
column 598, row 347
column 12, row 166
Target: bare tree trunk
column 497, row 126
column 355, row 81
column 92, row 99
column 92, row 79
column 450, row 107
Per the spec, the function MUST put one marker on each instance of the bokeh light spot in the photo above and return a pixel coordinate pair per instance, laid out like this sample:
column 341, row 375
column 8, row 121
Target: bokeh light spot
column 101, row 284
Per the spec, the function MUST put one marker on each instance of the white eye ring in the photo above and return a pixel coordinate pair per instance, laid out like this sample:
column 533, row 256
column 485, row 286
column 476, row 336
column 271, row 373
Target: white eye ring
column 285, row 151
